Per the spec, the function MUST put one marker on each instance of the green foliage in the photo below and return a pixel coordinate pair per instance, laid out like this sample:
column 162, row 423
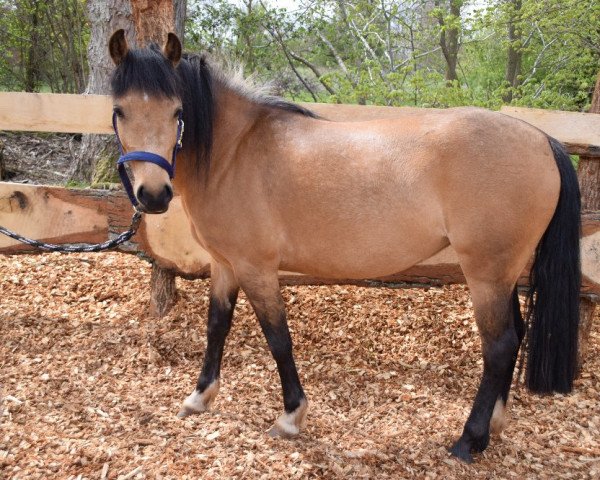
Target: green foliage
column 43, row 45
column 385, row 52
column 76, row 184
column 394, row 53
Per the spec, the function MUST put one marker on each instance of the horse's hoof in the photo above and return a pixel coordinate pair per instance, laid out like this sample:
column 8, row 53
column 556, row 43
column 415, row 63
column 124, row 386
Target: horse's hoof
column 186, row 412
column 462, row 451
column 289, row 432
column 199, row 402
column 289, row 424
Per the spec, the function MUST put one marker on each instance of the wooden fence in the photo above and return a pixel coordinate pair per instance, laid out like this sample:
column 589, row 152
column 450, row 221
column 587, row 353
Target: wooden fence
column 57, row 215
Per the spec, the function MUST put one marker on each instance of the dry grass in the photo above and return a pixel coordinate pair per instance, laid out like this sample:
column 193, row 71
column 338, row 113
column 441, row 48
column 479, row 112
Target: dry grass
column 91, row 385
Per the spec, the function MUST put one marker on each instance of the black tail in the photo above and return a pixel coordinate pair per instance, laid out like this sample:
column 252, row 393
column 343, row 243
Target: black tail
column 553, row 298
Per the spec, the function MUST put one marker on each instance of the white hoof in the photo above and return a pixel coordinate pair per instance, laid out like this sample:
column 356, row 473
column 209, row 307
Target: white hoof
column 498, row 420
column 199, row 402
column 288, row 425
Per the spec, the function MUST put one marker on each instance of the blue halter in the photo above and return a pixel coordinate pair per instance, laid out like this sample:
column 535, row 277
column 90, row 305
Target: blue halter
column 142, row 156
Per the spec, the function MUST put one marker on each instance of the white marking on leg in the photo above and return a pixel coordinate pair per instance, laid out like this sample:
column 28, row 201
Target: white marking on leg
column 199, row 402
column 498, row 420
column 145, row 97
column 289, row 424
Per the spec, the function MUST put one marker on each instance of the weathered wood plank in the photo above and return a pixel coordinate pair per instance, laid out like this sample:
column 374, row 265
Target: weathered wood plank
column 51, row 112
column 359, row 113
column 54, row 112
column 580, row 132
column 54, row 215
column 63, row 215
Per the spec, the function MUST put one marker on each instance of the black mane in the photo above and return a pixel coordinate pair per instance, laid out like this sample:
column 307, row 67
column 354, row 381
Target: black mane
column 193, row 81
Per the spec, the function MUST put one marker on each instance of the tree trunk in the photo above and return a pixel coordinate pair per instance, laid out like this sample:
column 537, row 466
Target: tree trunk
column 589, row 182
column 32, row 64
column 180, row 17
column 2, row 167
column 144, row 21
column 163, row 291
column 153, row 20
column 515, row 53
column 105, row 17
column 449, row 37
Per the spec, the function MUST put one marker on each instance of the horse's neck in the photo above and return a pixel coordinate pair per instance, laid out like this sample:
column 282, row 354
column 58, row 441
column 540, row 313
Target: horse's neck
column 235, row 117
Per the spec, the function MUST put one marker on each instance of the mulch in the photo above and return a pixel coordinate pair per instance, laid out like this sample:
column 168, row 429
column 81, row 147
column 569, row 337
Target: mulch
column 91, row 384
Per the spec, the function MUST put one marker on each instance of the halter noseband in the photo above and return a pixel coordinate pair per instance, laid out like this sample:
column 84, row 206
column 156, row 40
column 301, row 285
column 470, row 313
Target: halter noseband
column 142, row 156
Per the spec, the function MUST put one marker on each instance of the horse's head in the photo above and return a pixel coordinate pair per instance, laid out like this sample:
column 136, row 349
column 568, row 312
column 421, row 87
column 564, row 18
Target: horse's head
column 147, row 117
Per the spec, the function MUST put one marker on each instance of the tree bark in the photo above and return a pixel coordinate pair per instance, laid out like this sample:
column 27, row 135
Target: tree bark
column 143, row 21
column 32, row 64
column 515, row 53
column 449, row 37
column 153, row 20
column 180, row 17
column 589, row 183
column 105, row 17
column 163, row 291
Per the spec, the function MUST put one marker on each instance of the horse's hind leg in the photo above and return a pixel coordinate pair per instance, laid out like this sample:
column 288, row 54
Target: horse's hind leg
column 498, row 417
column 494, row 313
column 223, row 296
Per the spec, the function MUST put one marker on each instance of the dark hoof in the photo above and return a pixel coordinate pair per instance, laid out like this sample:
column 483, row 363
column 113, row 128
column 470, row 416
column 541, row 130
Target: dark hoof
column 462, row 451
column 480, row 445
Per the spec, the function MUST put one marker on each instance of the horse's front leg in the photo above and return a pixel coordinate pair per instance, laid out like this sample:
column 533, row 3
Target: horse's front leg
column 265, row 297
column 223, row 296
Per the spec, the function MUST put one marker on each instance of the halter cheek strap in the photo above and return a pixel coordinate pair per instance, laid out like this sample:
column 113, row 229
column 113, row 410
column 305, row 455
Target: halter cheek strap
column 142, row 156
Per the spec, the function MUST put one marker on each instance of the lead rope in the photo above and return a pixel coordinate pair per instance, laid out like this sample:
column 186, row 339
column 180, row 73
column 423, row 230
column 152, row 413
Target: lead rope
column 79, row 247
column 137, row 216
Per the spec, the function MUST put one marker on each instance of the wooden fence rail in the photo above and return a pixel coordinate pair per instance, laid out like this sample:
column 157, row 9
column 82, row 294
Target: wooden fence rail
column 52, row 112
column 58, row 215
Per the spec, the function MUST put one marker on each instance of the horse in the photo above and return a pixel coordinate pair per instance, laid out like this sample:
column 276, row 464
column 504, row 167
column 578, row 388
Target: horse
column 267, row 185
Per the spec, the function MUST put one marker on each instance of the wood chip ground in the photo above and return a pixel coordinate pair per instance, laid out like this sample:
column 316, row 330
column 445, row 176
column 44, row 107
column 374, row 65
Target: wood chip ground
column 90, row 385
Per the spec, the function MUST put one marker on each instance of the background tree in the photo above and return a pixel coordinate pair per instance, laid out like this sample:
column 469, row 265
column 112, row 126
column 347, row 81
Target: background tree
column 153, row 20
column 43, row 45
column 95, row 162
column 432, row 53
column 449, row 19
column 99, row 150
column 415, row 52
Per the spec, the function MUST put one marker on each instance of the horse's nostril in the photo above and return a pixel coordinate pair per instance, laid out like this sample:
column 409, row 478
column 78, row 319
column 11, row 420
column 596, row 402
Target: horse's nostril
column 140, row 194
column 168, row 193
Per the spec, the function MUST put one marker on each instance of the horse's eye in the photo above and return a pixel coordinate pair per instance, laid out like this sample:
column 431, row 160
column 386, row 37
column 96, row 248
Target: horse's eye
column 118, row 112
column 178, row 112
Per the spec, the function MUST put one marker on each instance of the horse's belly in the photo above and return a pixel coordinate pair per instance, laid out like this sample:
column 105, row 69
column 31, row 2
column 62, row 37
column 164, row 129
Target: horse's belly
column 367, row 254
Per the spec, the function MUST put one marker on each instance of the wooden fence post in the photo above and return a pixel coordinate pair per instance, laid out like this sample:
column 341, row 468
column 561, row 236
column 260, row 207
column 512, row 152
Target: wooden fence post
column 589, row 182
column 163, row 291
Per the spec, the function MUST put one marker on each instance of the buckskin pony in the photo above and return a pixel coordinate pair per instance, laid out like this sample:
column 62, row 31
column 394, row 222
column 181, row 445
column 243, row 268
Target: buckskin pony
column 267, row 186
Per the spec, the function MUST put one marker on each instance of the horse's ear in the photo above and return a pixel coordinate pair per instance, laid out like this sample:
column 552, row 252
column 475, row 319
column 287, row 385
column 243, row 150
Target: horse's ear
column 117, row 46
column 172, row 49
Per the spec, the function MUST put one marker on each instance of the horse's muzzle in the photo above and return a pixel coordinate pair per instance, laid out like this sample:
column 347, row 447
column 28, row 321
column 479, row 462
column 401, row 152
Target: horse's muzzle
column 154, row 202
